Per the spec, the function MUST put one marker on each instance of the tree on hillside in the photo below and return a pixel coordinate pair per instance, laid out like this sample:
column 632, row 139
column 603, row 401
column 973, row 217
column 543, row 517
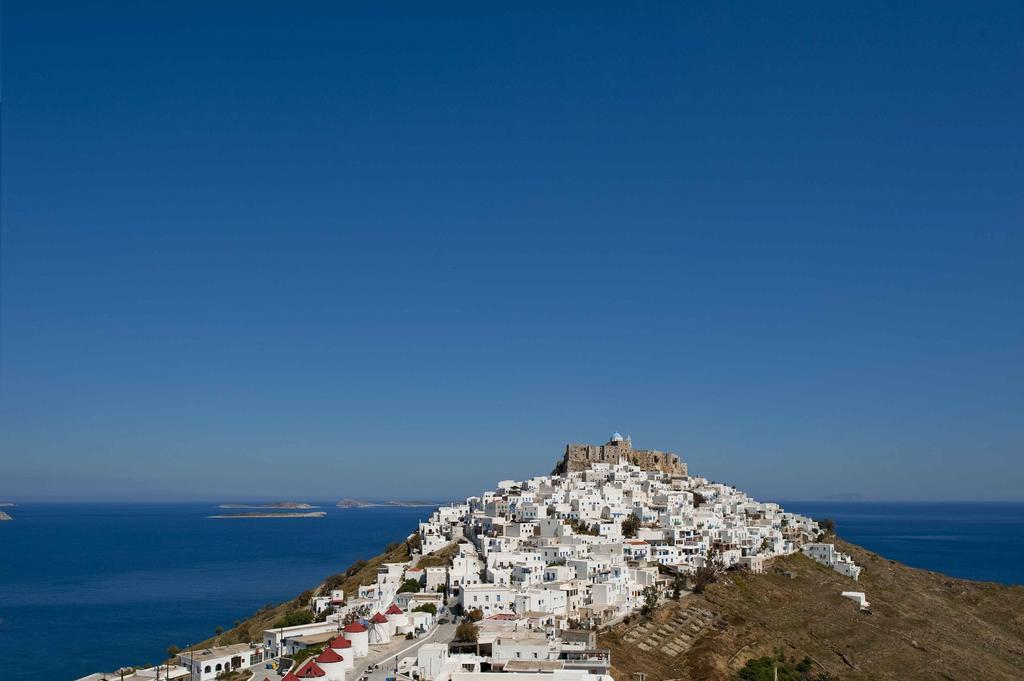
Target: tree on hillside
column 650, row 600
column 678, row 585
column 467, row 632
column 630, row 526
column 475, row 615
column 581, row 527
column 172, row 651
column 708, row 573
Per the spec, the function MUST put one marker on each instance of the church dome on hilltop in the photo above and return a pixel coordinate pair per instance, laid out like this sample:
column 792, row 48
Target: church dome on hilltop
column 616, row 437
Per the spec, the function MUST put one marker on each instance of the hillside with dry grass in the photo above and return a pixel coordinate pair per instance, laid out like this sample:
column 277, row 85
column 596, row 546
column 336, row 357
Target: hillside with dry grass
column 360, row 573
column 922, row 625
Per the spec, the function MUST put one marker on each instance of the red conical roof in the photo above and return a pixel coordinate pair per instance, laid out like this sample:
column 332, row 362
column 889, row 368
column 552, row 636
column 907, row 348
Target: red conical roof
column 354, row 628
column 329, row 657
column 310, row 671
column 341, row 642
column 395, row 610
column 379, row 619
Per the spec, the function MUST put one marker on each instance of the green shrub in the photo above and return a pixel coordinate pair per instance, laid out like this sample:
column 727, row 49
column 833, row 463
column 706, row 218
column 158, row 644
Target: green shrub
column 294, row 618
column 765, row 669
column 409, row 586
column 301, row 656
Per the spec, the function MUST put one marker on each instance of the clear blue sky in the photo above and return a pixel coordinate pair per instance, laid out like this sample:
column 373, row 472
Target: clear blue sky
column 266, row 250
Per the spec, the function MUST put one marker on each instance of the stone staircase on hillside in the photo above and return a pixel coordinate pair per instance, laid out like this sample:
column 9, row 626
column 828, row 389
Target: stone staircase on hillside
column 674, row 636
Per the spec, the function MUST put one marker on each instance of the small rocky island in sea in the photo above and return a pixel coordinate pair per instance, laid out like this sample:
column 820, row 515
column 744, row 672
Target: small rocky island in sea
column 5, row 516
column 291, row 505
column 277, row 509
column 271, row 514
column 359, row 503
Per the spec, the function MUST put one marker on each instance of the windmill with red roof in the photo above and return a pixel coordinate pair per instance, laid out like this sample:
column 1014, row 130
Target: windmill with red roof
column 359, row 637
column 380, row 629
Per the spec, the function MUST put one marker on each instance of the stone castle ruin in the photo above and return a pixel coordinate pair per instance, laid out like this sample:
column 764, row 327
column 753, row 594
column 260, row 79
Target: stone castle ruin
column 579, row 457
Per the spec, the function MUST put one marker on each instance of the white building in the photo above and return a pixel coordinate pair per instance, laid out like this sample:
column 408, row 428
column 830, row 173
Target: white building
column 826, row 554
column 488, row 598
column 208, row 663
column 275, row 641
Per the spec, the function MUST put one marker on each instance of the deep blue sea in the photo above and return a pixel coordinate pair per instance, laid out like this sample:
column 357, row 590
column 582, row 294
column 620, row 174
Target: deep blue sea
column 117, row 583
column 982, row 541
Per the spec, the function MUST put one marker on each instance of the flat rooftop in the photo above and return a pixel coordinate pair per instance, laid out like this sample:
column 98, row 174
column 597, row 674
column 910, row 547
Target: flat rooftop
column 219, row 651
column 313, row 639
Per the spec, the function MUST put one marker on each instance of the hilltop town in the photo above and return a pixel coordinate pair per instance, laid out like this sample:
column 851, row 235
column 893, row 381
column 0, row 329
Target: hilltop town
column 521, row 579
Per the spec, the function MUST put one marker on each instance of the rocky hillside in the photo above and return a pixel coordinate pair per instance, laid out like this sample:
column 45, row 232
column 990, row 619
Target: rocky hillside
column 923, row 625
column 360, row 573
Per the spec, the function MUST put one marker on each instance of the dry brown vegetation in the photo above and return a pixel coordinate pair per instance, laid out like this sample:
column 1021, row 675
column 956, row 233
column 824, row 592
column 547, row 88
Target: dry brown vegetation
column 365, row 572
column 923, row 625
column 360, row 573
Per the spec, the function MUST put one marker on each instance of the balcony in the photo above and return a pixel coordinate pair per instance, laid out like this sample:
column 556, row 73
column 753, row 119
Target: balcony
column 593, row 660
